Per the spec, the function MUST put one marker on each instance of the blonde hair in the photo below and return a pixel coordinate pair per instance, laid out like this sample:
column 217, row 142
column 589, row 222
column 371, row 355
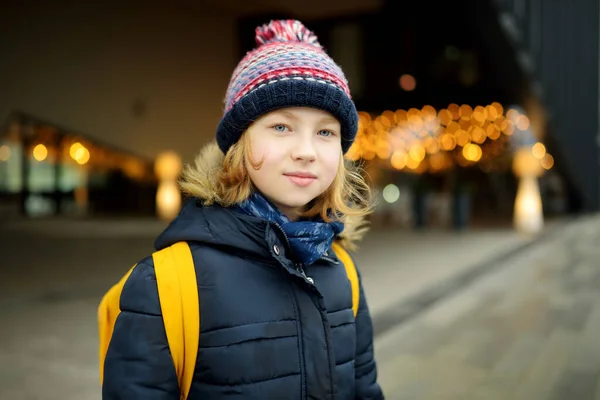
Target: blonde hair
column 226, row 181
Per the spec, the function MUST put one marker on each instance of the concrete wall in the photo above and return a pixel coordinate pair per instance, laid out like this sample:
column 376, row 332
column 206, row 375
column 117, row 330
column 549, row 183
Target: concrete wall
column 144, row 76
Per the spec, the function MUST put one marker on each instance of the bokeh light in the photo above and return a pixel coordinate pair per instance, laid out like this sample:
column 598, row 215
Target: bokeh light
column 4, row 153
column 538, row 150
column 391, row 193
column 547, row 161
column 40, row 152
column 408, row 82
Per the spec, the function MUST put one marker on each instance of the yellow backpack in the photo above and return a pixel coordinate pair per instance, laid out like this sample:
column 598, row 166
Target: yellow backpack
column 180, row 307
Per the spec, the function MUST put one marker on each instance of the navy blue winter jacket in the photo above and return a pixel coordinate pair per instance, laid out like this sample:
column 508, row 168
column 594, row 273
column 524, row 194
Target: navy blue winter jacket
column 267, row 331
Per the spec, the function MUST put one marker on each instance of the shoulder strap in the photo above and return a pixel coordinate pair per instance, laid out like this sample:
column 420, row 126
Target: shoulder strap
column 178, row 293
column 345, row 258
column 108, row 311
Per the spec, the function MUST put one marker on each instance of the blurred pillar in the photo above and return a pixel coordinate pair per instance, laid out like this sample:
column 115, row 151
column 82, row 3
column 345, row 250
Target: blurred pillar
column 168, row 197
column 528, row 216
column 528, row 212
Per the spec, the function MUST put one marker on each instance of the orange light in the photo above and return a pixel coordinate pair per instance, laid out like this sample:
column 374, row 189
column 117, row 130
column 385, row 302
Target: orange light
column 378, row 125
column 414, row 112
column 525, row 164
column 452, row 127
column 538, row 150
column 83, row 155
column 478, row 135
column 462, row 137
column 416, row 123
column 493, row 132
column 4, row 153
column 438, row 161
column 417, row 152
column 523, row 122
column 428, row 113
column 73, row 150
column 385, row 120
column 408, row 82
column 390, row 115
column 354, row 152
column 398, row 160
column 453, row 108
column 465, row 123
column 168, row 200
column 547, row 161
column 508, row 128
column 444, row 116
column 465, row 111
column 480, row 114
column 40, row 152
column 412, row 163
column 401, row 116
column 492, row 113
column 472, row 152
column 448, row 142
column 369, row 155
column 364, row 117
column 79, row 153
column 512, row 115
column 431, row 145
column 384, row 150
column 498, row 107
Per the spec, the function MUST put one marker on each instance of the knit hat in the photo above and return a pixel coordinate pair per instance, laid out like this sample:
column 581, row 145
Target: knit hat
column 289, row 68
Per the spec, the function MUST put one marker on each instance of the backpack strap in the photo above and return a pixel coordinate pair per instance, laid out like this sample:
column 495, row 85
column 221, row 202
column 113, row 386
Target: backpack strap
column 179, row 303
column 345, row 258
column 108, row 311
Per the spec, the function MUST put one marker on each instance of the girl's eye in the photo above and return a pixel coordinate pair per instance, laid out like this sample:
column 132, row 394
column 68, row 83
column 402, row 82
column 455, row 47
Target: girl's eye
column 280, row 128
column 325, row 133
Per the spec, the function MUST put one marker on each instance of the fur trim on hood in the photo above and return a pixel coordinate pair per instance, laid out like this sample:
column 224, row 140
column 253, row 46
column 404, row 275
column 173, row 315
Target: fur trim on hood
column 200, row 180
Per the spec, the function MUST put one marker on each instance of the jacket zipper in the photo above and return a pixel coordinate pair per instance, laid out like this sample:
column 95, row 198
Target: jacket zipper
column 327, row 333
column 299, row 266
column 300, row 337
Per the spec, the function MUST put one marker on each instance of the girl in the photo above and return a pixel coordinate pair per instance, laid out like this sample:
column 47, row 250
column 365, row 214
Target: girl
column 267, row 202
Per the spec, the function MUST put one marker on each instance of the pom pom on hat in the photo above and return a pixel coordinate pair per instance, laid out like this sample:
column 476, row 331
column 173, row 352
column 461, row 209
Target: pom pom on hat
column 285, row 31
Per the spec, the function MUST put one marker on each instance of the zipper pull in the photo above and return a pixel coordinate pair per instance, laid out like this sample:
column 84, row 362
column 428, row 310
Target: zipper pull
column 306, row 278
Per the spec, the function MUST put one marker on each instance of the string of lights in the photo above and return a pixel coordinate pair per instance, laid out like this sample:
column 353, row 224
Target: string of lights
column 430, row 140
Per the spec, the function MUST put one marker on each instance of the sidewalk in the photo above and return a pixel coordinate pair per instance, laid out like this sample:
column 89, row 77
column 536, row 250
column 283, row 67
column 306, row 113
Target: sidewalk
column 398, row 265
column 526, row 330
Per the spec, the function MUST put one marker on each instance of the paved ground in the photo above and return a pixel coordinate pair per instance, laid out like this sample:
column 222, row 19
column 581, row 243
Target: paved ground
column 528, row 330
column 68, row 258
column 501, row 335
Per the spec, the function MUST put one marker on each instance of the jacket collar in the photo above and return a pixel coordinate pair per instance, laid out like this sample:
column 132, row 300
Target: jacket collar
column 247, row 235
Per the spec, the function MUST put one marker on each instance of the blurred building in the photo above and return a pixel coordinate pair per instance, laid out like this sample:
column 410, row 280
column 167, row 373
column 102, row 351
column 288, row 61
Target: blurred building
column 124, row 81
column 46, row 169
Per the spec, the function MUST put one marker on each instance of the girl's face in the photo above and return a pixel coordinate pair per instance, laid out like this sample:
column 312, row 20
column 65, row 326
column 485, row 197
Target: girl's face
column 300, row 150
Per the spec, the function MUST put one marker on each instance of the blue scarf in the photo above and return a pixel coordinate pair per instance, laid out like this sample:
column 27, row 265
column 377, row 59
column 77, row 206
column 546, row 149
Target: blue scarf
column 309, row 239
